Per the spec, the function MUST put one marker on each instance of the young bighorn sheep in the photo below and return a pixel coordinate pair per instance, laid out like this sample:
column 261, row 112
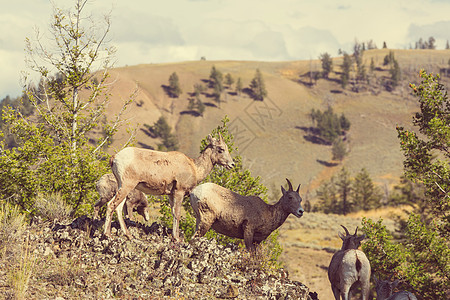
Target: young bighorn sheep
column 162, row 173
column 244, row 217
column 349, row 266
column 107, row 188
column 385, row 290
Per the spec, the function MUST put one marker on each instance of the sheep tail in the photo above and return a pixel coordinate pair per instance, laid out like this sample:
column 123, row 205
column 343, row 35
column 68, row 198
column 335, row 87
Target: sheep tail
column 111, row 160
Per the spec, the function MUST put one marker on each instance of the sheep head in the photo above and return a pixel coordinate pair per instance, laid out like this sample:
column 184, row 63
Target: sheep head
column 144, row 211
column 291, row 200
column 351, row 241
column 385, row 288
column 220, row 154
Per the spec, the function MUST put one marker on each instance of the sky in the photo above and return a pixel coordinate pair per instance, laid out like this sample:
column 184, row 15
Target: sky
column 157, row 31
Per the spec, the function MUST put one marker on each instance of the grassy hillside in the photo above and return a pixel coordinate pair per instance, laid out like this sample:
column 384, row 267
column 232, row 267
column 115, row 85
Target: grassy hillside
column 270, row 134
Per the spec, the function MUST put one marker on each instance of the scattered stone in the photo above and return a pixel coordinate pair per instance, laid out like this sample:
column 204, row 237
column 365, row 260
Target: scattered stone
column 151, row 266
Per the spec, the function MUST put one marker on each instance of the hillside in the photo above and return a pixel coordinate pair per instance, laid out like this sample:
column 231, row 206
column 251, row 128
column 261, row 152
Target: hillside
column 73, row 260
column 270, row 134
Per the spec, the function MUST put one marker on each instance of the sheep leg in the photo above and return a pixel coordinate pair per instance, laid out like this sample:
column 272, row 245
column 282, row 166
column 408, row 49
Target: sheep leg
column 177, row 199
column 98, row 205
column 113, row 204
column 336, row 293
column 128, row 209
column 248, row 237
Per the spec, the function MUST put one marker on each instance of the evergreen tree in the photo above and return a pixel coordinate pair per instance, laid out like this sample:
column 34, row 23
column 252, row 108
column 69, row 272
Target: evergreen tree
column 344, row 188
column 338, row 149
column 372, row 65
column 239, row 86
column 421, row 257
column 258, row 87
column 216, row 83
column 55, row 153
column 161, row 129
column 395, row 73
column 174, row 86
column 346, row 65
column 327, row 64
column 365, row 194
column 229, row 80
column 328, row 197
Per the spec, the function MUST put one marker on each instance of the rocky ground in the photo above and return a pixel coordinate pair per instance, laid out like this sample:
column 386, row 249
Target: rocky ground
column 75, row 261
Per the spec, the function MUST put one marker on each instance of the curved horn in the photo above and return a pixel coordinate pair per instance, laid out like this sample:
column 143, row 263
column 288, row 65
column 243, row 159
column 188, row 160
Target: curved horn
column 298, row 189
column 220, row 137
column 356, row 231
column 290, row 185
column 346, row 230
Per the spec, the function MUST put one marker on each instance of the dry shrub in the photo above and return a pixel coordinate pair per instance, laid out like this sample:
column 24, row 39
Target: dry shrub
column 16, row 257
column 20, row 273
column 52, row 207
column 12, row 226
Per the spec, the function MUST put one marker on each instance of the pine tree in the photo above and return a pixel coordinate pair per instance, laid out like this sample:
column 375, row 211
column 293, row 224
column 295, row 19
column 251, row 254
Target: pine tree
column 258, row 87
column 239, row 86
column 174, row 86
column 346, row 65
column 338, row 150
column 421, row 257
column 365, row 194
column 327, row 64
column 216, row 83
column 229, row 80
column 344, row 188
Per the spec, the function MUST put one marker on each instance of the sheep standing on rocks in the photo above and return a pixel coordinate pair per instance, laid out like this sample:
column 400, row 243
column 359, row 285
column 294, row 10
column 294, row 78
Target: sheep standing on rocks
column 385, row 290
column 107, row 188
column 349, row 266
column 244, row 217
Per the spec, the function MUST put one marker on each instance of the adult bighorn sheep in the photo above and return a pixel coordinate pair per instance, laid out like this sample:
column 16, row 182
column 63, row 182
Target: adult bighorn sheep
column 107, row 188
column 348, row 267
column 244, row 217
column 162, row 173
column 385, row 290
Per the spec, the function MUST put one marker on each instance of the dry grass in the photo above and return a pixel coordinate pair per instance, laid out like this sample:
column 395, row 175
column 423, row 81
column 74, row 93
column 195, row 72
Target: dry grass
column 52, row 207
column 16, row 259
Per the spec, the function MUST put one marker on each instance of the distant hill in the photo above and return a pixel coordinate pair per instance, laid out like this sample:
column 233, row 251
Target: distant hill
column 271, row 134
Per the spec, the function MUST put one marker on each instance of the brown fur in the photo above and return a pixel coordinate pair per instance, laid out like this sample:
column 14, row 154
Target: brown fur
column 244, row 217
column 107, row 188
column 163, row 173
column 349, row 266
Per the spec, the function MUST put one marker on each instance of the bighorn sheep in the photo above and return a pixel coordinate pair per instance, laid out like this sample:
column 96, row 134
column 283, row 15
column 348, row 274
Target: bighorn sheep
column 244, row 217
column 349, row 266
column 385, row 290
column 162, row 173
column 107, row 188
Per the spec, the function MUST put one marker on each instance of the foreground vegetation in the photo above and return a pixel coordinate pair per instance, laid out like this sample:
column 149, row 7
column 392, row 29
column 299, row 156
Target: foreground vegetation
column 47, row 157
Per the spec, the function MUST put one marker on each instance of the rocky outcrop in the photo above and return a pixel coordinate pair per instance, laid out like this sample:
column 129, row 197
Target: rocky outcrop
column 151, row 266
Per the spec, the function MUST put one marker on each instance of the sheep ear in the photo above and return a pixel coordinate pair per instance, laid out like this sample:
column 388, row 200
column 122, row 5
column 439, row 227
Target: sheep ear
column 341, row 236
column 210, row 139
column 362, row 237
column 395, row 283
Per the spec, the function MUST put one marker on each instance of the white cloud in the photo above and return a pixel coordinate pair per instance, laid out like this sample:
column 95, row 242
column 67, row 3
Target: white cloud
column 164, row 31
